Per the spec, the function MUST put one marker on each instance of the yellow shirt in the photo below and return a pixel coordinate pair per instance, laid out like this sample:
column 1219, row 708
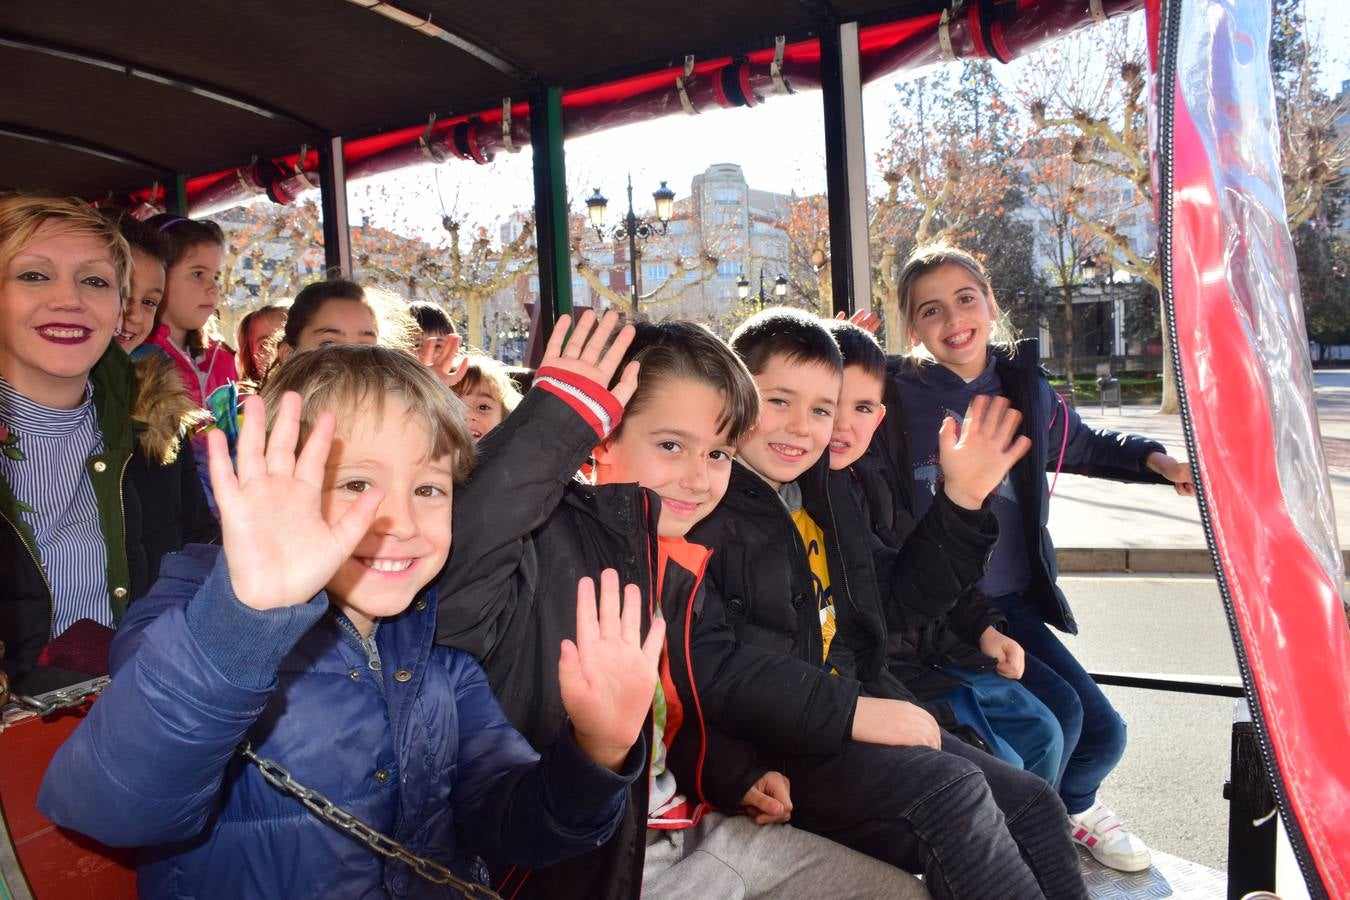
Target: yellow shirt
column 813, row 539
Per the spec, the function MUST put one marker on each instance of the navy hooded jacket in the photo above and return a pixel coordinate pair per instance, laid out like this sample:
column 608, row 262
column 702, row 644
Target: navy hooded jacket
column 413, row 743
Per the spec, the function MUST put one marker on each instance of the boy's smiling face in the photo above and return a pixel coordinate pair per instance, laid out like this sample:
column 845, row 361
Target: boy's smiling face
column 858, row 417
column 147, row 292
column 409, row 541
column 673, row 446
column 796, row 416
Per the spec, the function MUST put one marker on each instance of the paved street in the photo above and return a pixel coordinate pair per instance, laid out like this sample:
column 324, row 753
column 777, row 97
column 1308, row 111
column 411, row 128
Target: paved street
column 1168, row 787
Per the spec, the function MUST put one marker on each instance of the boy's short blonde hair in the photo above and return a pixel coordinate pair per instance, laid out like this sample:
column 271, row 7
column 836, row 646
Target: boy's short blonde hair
column 21, row 215
column 485, row 373
column 343, row 378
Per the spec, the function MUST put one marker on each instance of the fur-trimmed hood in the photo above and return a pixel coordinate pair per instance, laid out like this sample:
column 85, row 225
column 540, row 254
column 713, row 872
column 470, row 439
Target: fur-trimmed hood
column 162, row 409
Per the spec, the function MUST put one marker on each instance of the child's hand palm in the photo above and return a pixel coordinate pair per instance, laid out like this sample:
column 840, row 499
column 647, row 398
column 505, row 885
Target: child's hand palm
column 976, row 462
column 280, row 549
column 608, row 677
column 583, row 352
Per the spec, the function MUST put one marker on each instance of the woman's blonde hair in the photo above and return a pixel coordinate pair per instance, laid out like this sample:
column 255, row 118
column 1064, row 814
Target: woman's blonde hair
column 21, row 215
column 485, row 373
column 930, row 258
column 343, row 378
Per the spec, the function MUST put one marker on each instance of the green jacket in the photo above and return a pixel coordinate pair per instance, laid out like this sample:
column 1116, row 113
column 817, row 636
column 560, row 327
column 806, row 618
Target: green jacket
column 143, row 487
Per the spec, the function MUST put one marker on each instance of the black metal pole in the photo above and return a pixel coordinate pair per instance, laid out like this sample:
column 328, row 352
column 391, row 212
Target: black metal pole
column 1252, row 815
column 337, row 240
column 631, row 224
column 845, row 166
column 550, row 212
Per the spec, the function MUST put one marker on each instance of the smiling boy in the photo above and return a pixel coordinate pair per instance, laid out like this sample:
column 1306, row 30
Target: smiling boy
column 944, row 641
column 897, row 788
column 306, row 645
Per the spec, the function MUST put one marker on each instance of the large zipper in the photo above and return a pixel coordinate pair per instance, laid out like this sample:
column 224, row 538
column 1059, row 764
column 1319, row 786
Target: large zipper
column 122, row 509
column 843, row 572
column 1167, row 84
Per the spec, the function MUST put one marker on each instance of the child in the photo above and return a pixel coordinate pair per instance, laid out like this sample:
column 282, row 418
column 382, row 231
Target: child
column 691, row 399
column 149, row 260
column 85, row 514
column 305, row 627
column 488, row 392
column 900, row 790
column 256, row 346
column 948, row 305
column 324, row 313
column 338, row 311
column 174, row 507
column 191, row 295
column 433, row 327
column 942, row 642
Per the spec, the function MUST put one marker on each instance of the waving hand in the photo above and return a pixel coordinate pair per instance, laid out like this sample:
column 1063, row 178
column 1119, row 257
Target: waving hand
column 280, row 549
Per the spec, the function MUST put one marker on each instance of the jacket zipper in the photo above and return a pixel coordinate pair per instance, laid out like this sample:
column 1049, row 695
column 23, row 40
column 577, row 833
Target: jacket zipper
column 843, row 570
column 1167, row 76
column 122, row 509
column 192, row 364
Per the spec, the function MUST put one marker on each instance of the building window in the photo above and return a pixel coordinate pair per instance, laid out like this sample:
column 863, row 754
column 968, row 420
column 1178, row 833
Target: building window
column 534, row 284
column 729, row 267
column 727, row 196
column 655, row 272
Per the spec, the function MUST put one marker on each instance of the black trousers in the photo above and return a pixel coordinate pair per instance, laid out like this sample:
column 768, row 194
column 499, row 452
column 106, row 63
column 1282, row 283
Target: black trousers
column 974, row 826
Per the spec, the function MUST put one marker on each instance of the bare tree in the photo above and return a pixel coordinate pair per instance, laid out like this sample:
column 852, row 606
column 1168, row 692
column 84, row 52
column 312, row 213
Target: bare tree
column 1090, row 91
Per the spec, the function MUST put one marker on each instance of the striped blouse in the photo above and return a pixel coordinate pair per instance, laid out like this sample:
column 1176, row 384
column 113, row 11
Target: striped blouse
column 57, row 496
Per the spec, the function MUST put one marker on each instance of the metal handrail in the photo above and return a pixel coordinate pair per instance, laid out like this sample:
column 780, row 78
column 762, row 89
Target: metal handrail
column 1206, row 685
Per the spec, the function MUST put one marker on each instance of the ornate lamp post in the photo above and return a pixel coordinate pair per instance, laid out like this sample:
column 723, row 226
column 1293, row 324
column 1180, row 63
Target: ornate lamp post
column 632, row 227
column 780, row 287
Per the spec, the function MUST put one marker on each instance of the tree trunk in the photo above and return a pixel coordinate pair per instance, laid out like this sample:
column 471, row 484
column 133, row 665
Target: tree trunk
column 890, row 313
column 473, row 307
column 1171, row 404
column 825, row 279
column 1068, row 338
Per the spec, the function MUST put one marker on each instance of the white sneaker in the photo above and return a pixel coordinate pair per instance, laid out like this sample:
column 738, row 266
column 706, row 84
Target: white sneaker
column 1103, row 834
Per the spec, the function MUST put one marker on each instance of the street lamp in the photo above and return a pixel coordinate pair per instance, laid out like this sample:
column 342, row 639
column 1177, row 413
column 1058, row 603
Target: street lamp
column 1089, row 268
column 632, row 228
column 780, row 287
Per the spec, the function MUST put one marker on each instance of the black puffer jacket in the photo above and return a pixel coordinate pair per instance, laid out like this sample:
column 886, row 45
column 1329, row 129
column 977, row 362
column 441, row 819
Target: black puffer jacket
column 525, row 531
column 1086, row 451
column 922, row 574
column 879, row 588
column 150, row 503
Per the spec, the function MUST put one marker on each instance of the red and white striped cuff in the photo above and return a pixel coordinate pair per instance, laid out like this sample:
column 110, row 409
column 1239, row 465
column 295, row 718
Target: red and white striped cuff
column 589, row 399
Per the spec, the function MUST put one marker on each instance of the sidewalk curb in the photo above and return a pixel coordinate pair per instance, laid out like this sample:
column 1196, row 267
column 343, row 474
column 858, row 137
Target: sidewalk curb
column 1173, row 561
column 1188, row 561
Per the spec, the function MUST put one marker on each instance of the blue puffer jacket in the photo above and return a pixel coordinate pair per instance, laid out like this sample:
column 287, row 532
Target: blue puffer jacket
column 414, row 744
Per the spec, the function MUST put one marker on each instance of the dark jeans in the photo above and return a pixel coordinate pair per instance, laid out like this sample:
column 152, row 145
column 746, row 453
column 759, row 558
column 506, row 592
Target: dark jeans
column 1017, row 726
column 974, row 826
column 1094, row 733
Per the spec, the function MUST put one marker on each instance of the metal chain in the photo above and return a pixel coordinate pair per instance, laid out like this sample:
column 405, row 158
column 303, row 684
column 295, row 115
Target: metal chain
column 66, row 698
column 328, row 811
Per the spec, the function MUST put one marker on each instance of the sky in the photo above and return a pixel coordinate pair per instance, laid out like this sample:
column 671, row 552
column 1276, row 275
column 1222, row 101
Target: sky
column 780, row 145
